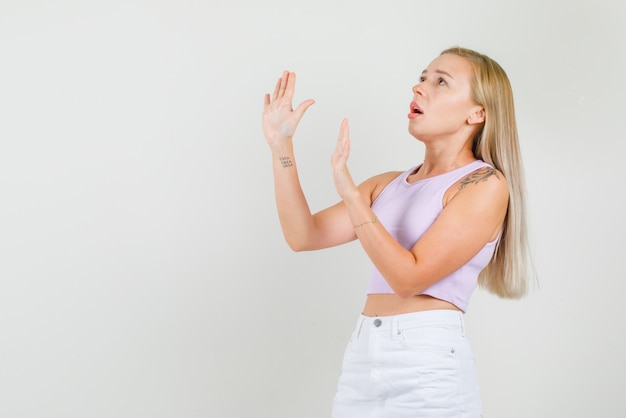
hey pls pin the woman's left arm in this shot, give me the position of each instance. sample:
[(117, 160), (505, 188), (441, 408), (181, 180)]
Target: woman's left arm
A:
[(466, 224)]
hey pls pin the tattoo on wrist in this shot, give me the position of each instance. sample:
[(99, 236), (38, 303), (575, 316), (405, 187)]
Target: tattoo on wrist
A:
[(478, 176), (286, 162)]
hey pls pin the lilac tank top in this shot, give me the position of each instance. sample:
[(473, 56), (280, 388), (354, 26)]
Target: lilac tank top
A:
[(407, 210)]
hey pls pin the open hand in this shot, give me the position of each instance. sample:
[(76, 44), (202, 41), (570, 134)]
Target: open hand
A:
[(341, 175), (280, 120)]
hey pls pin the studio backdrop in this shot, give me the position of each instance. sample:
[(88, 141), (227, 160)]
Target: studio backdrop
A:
[(143, 272)]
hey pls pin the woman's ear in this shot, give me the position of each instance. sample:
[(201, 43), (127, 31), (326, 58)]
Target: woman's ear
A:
[(477, 117)]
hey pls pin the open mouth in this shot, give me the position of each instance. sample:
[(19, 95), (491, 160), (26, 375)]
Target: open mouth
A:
[(416, 109)]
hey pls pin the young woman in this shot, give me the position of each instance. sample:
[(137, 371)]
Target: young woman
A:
[(432, 232)]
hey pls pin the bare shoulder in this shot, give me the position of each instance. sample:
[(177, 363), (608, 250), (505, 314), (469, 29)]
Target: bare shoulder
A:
[(484, 183), (374, 185), (483, 175)]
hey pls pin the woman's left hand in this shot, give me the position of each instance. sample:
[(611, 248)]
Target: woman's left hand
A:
[(341, 175)]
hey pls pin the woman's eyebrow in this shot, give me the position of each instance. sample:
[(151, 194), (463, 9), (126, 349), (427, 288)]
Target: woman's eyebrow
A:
[(439, 72)]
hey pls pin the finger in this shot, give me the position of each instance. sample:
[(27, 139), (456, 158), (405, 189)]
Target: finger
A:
[(302, 107), (344, 130), (276, 89), (291, 85), (342, 150), (266, 100), (346, 148), (283, 84), (344, 135)]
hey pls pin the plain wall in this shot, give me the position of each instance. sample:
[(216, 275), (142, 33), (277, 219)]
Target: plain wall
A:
[(143, 272)]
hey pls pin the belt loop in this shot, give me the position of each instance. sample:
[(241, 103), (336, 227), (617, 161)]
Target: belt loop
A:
[(394, 328), (462, 323), (360, 326)]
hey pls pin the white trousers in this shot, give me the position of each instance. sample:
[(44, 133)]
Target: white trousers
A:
[(411, 365)]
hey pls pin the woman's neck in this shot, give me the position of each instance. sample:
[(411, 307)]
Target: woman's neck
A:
[(436, 163)]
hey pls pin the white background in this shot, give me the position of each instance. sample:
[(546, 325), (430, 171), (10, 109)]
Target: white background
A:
[(142, 268)]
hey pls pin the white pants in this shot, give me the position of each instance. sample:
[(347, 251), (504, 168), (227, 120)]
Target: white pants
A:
[(411, 365)]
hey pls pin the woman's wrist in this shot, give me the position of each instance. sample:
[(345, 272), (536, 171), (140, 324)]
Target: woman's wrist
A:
[(353, 197), (285, 148), (370, 221)]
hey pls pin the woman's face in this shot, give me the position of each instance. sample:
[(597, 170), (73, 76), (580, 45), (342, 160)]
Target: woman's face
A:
[(442, 105)]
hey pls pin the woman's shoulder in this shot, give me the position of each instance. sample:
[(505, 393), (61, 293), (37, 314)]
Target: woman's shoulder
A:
[(482, 174), (486, 183)]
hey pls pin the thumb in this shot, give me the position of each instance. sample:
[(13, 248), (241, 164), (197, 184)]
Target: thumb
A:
[(302, 107)]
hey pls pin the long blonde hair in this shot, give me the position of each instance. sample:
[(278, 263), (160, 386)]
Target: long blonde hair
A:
[(510, 269)]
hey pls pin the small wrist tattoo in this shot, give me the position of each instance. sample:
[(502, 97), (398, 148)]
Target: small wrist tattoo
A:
[(286, 162)]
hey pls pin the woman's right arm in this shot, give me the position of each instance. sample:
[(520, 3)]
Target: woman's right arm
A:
[(302, 230)]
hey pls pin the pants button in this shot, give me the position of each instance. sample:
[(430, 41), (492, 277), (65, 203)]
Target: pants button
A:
[(377, 322)]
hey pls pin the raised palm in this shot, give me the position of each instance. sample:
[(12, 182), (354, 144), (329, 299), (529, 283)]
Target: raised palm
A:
[(280, 120)]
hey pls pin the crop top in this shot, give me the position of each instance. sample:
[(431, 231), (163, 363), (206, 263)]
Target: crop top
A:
[(407, 210)]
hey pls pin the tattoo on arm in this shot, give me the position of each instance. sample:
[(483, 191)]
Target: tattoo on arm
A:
[(286, 162), (478, 176)]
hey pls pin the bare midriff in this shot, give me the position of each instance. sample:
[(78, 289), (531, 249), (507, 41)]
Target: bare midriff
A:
[(380, 304)]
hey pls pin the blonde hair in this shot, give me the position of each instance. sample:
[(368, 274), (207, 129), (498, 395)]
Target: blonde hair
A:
[(497, 143)]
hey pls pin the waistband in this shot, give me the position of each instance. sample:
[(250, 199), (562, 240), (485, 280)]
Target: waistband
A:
[(394, 323)]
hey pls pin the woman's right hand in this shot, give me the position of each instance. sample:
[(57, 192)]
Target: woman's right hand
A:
[(280, 120)]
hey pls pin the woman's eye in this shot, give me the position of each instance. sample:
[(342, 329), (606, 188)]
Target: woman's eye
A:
[(442, 82), (422, 79)]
